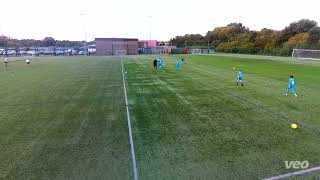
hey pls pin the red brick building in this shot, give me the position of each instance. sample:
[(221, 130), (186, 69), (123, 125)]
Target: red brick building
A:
[(114, 46)]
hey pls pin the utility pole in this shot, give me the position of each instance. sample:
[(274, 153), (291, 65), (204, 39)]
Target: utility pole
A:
[(210, 20), (150, 21), (85, 33), (1, 30), (208, 42)]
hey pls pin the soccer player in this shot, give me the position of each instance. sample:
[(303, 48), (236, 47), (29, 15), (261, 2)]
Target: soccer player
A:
[(28, 61), (291, 86), (177, 65), (183, 61), (155, 64), (239, 78), (6, 62), (160, 63)]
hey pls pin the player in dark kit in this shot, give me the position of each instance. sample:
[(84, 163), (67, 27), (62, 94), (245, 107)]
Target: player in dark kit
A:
[(155, 64)]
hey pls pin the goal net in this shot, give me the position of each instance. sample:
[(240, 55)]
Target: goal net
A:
[(121, 53), (306, 54), (196, 51)]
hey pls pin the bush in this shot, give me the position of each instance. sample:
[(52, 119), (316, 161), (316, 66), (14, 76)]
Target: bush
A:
[(258, 51)]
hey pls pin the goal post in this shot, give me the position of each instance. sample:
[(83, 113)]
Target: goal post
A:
[(196, 51), (121, 52), (306, 54)]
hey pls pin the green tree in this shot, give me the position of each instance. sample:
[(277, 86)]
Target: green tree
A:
[(297, 41), (314, 36), (266, 38), (48, 41), (301, 26)]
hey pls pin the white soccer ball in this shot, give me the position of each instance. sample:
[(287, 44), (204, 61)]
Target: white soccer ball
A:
[(233, 68), (126, 72)]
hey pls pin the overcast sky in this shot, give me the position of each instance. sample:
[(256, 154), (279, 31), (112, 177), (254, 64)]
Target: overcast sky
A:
[(61, 19)]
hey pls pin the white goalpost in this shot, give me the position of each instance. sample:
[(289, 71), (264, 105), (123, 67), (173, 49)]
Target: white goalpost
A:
[(121, 53), (196, 51), (306, 54)]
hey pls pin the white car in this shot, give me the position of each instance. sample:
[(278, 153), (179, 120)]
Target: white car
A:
[(32, 53), (81, 53), (11, 52)]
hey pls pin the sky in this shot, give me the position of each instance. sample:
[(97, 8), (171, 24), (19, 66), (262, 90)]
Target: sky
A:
[(163, 19)]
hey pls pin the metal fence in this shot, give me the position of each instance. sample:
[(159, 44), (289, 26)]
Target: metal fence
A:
[(173, 50)]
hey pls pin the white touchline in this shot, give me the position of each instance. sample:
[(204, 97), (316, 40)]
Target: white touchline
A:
[(134, 166), (297, 173)]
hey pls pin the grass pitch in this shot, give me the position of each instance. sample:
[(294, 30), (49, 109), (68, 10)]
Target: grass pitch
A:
[(64, 118), (197, 124)]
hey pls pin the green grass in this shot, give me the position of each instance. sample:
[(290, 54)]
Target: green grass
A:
[(65, 118), (197, 124)]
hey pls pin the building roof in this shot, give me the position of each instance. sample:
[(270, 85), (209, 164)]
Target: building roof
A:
[(116, 39)]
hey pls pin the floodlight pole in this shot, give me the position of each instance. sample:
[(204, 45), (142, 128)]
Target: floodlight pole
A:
[(85, 34), (1, 29), (208, 44), (150, 18)]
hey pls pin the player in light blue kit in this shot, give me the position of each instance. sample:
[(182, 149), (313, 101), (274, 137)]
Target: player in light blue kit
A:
[(177, 65), (239, 78), (291, 87), (160, 62)]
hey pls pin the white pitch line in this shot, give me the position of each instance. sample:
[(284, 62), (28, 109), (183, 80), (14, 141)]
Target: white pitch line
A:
[(133, 157), (297, 173)]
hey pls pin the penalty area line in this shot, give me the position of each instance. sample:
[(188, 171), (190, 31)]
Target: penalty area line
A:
[(133, 157), (297, 173)]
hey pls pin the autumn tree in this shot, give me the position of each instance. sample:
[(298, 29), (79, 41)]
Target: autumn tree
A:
[(314, 37)]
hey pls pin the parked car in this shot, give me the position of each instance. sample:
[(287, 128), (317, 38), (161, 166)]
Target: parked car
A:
[(32, 53), (41, 52), (23, 53), (4, 52), (81, 53), (11, 52), (48, 52), (59, 52), (74, 52)]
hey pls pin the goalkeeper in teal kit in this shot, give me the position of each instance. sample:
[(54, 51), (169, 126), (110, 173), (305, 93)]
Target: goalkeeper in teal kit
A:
[(291, 87), (239, 78)]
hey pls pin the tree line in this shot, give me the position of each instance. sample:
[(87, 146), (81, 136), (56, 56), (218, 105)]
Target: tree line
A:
[(11, 43), (237, 38)]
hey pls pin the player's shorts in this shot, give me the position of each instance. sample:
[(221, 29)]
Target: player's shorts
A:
[(291, 88), (240, 78), (28, 62), (5, 62)]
